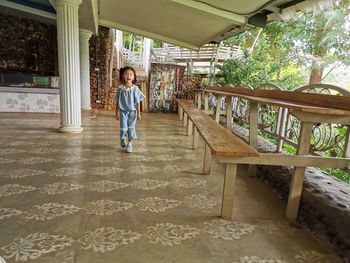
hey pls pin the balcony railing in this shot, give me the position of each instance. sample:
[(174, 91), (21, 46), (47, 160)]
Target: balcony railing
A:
[(132, 58), (205, 53)]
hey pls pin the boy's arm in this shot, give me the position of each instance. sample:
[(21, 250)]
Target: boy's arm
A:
[(138, 111), (117, 111)]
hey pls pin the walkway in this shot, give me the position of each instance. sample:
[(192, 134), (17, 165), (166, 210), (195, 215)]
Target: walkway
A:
[(79, 198)]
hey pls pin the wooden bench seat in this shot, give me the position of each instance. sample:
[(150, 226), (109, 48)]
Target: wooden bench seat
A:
[(322, 109), (219, 143)]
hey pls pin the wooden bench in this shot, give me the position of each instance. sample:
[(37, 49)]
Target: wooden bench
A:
[(232, 151), (219, 143), (310, 109)]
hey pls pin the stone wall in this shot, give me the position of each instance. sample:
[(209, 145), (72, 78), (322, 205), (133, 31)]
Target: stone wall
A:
[(20, 39), (102, 94)]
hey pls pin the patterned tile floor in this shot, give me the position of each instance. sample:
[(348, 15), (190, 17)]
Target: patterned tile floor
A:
[(80, 198)]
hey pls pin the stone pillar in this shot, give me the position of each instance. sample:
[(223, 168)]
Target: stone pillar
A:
[(69, 66), (84, 36)]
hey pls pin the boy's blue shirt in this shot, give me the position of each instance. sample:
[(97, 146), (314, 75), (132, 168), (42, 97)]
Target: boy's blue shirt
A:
[(128, 98)]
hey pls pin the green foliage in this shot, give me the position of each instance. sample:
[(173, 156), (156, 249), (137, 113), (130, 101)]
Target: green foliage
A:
[(132, 40), (157, 43), (289, 149), (342, 175)]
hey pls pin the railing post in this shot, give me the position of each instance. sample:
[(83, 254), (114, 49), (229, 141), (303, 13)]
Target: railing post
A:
[(185, 120), (206, 101), (347, 143), (207, 160), (253, 132), (199, 99), (181, 113), (218, 108), (229, 112), (281, 128)]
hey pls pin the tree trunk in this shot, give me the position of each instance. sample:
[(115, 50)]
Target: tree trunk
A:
[(316, 75)]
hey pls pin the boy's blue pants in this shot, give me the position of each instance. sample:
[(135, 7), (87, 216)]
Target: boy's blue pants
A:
[(127, 124)]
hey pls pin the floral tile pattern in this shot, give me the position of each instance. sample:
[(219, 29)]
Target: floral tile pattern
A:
[(21, 173), (106, 207), (60, 188), (8, 212), (227, 230), (66, 171), (105, 186), (169, 234), (106, 170), (79, 198), (201, 201), (254, 259), (148, 184), (188, 183), (34, 245), (315, 256), (156, 204), (50, 210), (11, 189), (107, 238)]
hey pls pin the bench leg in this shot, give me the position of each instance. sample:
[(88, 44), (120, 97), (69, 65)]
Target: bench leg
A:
[(207, 160), (296, 185), (184, 123), (189, 127), (195, 139), (181, 113), (228, 191)]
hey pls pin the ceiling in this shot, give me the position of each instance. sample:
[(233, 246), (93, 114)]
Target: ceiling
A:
[(186, 23)]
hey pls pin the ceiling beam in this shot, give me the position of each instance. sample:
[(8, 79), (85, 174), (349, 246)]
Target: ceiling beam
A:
[(53, 3), (212, 10), (28, 9), (110, 24)]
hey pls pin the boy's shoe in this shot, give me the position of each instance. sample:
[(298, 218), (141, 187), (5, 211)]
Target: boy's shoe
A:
[(129, 148), (123, 142)]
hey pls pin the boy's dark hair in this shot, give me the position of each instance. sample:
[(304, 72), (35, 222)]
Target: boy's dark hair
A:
[(121, 72)]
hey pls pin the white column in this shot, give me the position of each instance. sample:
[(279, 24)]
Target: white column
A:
[(147, 44), (84, 36), (69, 66)]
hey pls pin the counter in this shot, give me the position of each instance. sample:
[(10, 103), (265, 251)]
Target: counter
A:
[(25, 99)]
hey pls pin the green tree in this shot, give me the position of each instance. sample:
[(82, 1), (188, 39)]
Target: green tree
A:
[(322, 38)]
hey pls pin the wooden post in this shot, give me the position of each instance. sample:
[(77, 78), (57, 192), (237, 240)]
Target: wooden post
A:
[(207, 160), (229, 112), (185, 120), (253, 131), (347, 143), (189, 127), (206, 101), (181, 113), (218, 108), (199, 99), (195, 139), (281, 128), (228, 191), (296, 185)]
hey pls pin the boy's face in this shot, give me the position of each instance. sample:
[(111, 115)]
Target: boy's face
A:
[(128, 76)]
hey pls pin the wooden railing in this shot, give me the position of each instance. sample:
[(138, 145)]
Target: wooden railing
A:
[(328, 139)]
